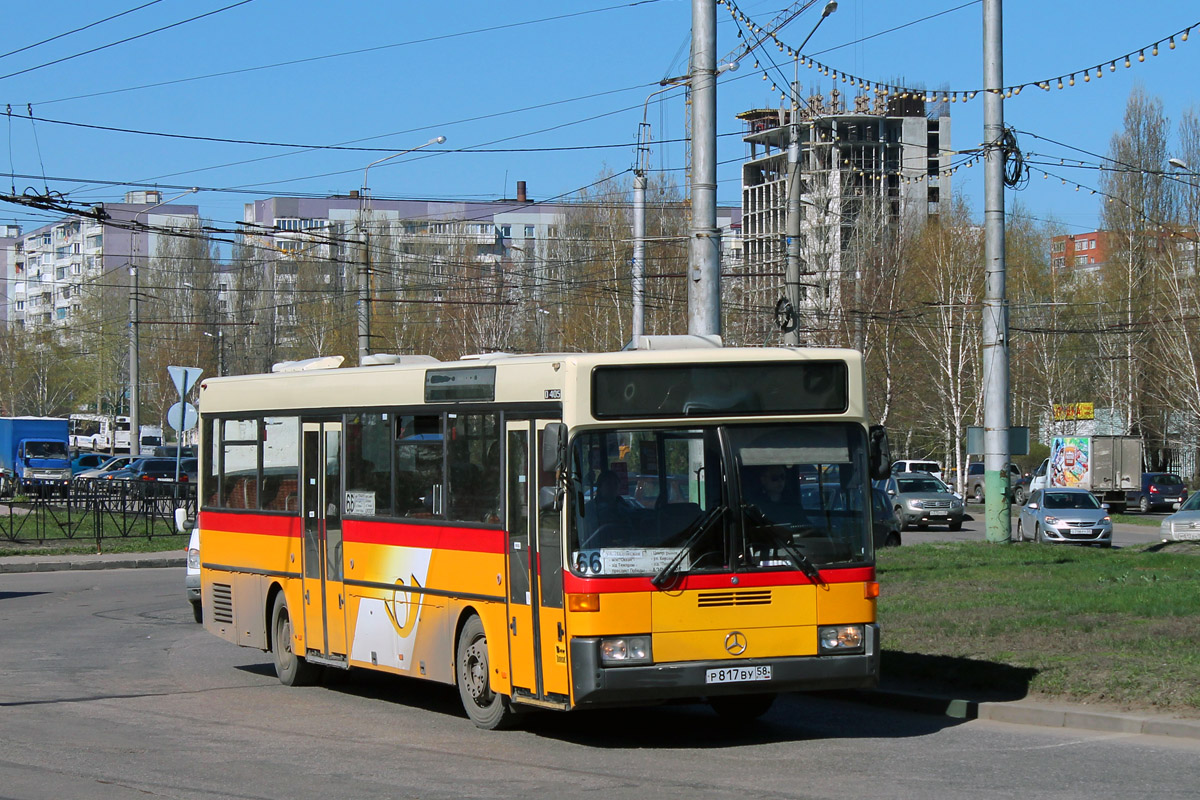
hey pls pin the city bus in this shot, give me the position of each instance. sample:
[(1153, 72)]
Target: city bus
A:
[(99, 432), (562, 531)]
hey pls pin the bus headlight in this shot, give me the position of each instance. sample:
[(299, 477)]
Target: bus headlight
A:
[(619, 650), (840, 638)]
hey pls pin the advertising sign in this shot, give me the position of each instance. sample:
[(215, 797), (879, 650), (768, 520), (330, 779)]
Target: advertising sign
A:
[(1070, 461), (1071, 411)]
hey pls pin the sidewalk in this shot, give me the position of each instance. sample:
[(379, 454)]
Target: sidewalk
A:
[(891, 693), (47, 563)]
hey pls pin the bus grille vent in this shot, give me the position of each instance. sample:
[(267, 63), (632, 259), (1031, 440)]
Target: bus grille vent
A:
[(222, 599), (716, 599)]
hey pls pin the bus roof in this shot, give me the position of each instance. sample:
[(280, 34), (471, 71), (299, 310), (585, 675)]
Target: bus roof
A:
[(531, 378)]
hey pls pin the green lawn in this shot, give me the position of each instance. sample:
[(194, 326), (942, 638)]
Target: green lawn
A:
[(1115, 626)]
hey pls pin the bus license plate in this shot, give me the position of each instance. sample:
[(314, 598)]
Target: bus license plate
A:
[(762, 672)]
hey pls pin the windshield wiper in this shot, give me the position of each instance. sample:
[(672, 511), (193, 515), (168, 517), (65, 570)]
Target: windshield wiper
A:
[(801, 561), (672, 569)]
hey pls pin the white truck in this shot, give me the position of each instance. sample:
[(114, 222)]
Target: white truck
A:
[(1107, 466)]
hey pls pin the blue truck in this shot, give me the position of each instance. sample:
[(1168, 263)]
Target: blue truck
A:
[(34, 458)]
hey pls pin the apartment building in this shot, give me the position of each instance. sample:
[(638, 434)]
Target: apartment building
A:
[(47, 268), (1080, 251)]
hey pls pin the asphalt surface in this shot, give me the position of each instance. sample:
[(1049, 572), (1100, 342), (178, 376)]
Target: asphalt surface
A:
[(890, 694)]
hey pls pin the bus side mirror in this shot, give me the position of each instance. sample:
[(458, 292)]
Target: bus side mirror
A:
[(554, 446), (880, 453)]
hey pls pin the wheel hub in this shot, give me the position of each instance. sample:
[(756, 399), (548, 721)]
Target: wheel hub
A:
[(475, 669)]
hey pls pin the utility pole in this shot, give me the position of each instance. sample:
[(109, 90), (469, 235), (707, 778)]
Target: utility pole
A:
[(135, 430), (639, 248), (995, 303), (792, 270), (704, 264), (364, 264)]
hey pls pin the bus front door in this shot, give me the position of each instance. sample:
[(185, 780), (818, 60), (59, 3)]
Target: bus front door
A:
[(324, 592), (536, 619)]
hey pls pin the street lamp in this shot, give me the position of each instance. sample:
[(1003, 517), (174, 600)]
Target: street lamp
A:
[(135, 430), (364, 269)]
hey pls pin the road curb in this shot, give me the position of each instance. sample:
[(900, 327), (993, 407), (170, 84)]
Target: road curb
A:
[(1028, 713), (13, 564)]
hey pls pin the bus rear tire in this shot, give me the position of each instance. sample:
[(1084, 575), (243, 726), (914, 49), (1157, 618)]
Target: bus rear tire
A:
[(291, 668), (486, 709), (741, 708)]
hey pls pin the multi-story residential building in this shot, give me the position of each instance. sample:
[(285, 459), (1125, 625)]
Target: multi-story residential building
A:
[(9, 234), (425, 238), (47, 268), (882, 165), (1080, 251)]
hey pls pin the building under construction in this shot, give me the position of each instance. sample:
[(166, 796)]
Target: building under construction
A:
[(865, 175)]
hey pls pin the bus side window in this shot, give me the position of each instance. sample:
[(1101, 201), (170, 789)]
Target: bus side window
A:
[(474, 485), (419, 479)]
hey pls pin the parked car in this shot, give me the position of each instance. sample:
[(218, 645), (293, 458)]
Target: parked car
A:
[(143, 474), (915, 465), (1184, 524), (170, 451), (85, 461), (975, 485), (113, 464), (191, 578), (1064, 516), (1020, 488), (884, 523), (1159, 490), (920, 499)]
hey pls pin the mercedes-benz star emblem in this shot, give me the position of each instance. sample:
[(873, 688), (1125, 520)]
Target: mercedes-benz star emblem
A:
[(735, 643)]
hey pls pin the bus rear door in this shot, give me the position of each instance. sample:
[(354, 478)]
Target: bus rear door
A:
[(324, 592)]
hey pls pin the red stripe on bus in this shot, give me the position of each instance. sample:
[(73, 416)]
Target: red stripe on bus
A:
[(265, 524), (745, 580), (444, 537)]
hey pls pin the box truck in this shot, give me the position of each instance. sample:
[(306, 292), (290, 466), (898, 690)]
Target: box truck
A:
[(1107, 466), (34, 457)]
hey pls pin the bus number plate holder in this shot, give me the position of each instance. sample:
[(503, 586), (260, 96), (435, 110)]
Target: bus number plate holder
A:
[(761, 672)]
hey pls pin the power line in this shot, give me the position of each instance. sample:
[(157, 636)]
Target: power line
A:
[(77, 30), (125, 40), (360, 51)]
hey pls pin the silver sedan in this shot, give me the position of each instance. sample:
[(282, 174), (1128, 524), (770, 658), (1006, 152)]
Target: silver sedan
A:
[(1184, 524), (1064, 516)]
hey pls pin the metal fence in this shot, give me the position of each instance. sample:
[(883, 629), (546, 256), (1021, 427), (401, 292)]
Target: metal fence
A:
[(96, 511)]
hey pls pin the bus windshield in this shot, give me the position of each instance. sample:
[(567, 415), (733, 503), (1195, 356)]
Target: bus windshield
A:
[(735, 497)]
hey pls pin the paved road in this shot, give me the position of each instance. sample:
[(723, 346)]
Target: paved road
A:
[(975, 530), (108, 690)]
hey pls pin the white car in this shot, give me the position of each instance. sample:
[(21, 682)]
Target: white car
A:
[(191, 579), (1184, 524), (112, 465)]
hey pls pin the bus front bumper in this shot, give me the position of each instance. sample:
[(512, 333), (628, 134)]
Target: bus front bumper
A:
[(597, 685)]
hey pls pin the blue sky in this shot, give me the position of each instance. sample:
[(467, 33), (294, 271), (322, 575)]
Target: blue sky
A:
[(540, 79)]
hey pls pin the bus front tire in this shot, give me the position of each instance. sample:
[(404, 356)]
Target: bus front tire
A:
[(741, 707), (291, 668), (486, 709)]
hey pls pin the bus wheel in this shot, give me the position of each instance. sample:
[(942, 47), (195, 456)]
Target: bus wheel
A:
[(486, 709), (741, 707), (292, 669)]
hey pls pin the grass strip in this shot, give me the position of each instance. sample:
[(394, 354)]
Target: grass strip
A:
[(1003, 621)]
